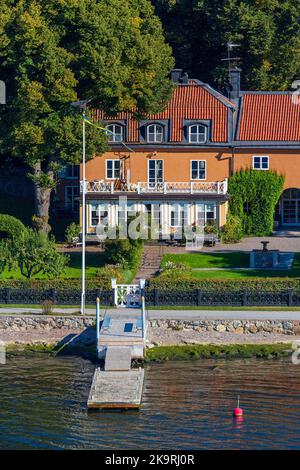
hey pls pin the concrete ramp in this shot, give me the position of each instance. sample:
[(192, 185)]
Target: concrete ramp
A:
[(118, 358)]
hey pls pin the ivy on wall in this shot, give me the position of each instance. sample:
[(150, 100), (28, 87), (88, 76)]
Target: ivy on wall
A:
[(253, 197)]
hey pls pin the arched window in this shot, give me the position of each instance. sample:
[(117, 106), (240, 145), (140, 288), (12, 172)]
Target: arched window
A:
[(197, 133), (291, 193), (290, 207), (155, 133), (116, 132)]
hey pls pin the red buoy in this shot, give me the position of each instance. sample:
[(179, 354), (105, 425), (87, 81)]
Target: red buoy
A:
[(238, 411)]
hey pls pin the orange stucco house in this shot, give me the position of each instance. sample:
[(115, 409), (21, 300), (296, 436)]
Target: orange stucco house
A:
[(183, 156)]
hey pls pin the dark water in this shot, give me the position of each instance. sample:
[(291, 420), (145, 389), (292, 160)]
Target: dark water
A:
[(187, 405)]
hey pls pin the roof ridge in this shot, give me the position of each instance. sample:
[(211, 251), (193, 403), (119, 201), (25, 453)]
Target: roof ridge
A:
[(253, 92)]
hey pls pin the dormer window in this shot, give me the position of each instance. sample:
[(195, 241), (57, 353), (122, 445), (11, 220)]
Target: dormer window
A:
[(197, 134), (115, 133), (155, 133)]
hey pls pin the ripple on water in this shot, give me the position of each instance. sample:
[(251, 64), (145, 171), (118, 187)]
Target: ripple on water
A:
[(186, 405)]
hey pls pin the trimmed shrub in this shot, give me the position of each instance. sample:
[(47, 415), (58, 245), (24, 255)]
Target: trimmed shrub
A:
[(253, 197), (104, 275), (233, 230), (126, 253), (10, 226), (181, 281), (72, 231), (102, 282)]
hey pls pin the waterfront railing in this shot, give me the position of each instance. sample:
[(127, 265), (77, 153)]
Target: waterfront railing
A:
[(155, 297)]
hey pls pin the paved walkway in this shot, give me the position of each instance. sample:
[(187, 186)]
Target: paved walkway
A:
[(150, 262), (182, 314), (282, 242)]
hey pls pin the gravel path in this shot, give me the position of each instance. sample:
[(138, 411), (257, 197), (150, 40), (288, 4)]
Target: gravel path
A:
[(38, 336), (162, 337), (156, 336)]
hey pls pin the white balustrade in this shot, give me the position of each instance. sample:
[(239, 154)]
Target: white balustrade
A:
[(185, 187)]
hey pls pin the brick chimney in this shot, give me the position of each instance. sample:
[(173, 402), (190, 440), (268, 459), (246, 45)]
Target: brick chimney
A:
[(234, 83)]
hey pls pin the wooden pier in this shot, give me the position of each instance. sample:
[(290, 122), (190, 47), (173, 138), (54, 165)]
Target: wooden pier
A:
[(121, 338)]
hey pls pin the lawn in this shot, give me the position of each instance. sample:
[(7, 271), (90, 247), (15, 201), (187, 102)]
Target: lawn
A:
[(94, 261), (228, 261), (244, 274), (210, 260)]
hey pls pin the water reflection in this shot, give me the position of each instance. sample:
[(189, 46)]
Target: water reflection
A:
[(186, 405)]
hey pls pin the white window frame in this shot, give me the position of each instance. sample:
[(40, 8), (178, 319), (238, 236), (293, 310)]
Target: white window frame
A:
[(198, 141), (260, 162), (72, 206), (162, 170), (179, 217), (198, 169), (113, 169), (100, 208), (155, 141), (113, 137), (205, 211)]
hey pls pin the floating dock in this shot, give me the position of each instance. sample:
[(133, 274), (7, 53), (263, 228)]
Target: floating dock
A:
[(121, 339), (116, 390)]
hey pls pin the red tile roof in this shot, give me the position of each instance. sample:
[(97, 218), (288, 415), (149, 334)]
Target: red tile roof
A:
[(269, 117), (192, 101)]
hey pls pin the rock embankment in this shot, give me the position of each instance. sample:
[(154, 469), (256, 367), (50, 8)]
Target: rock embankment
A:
[(167, 332), (51, 329)]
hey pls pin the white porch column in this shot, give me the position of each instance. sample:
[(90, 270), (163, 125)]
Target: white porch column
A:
[(165, 213)]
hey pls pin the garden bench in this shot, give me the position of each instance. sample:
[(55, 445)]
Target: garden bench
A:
[(76, 242), (210, 239)]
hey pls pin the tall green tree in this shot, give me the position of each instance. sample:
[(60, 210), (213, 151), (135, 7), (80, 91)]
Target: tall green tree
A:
[(53, 52), (268, 32)]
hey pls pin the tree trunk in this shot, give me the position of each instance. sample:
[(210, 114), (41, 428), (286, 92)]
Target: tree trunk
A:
[(42, 197)]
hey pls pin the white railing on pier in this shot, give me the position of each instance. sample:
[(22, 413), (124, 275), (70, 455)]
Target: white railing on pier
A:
[(144, 319), (186, 187)]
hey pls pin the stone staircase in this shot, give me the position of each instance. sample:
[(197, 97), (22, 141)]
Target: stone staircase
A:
[(150, 262)]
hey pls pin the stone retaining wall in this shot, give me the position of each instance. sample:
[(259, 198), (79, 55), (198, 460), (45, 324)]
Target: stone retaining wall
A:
[(233, 326), (44, 322)]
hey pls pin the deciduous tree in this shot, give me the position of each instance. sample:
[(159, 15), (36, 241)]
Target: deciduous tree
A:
[(34, 253), (53, 52)]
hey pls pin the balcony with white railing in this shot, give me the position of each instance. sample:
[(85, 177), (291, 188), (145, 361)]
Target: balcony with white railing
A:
[(187, 187)]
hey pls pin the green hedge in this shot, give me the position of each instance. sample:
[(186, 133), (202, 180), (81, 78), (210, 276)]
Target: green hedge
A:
[(253, 197), (103, 283), (10, 225), (178, 282)]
